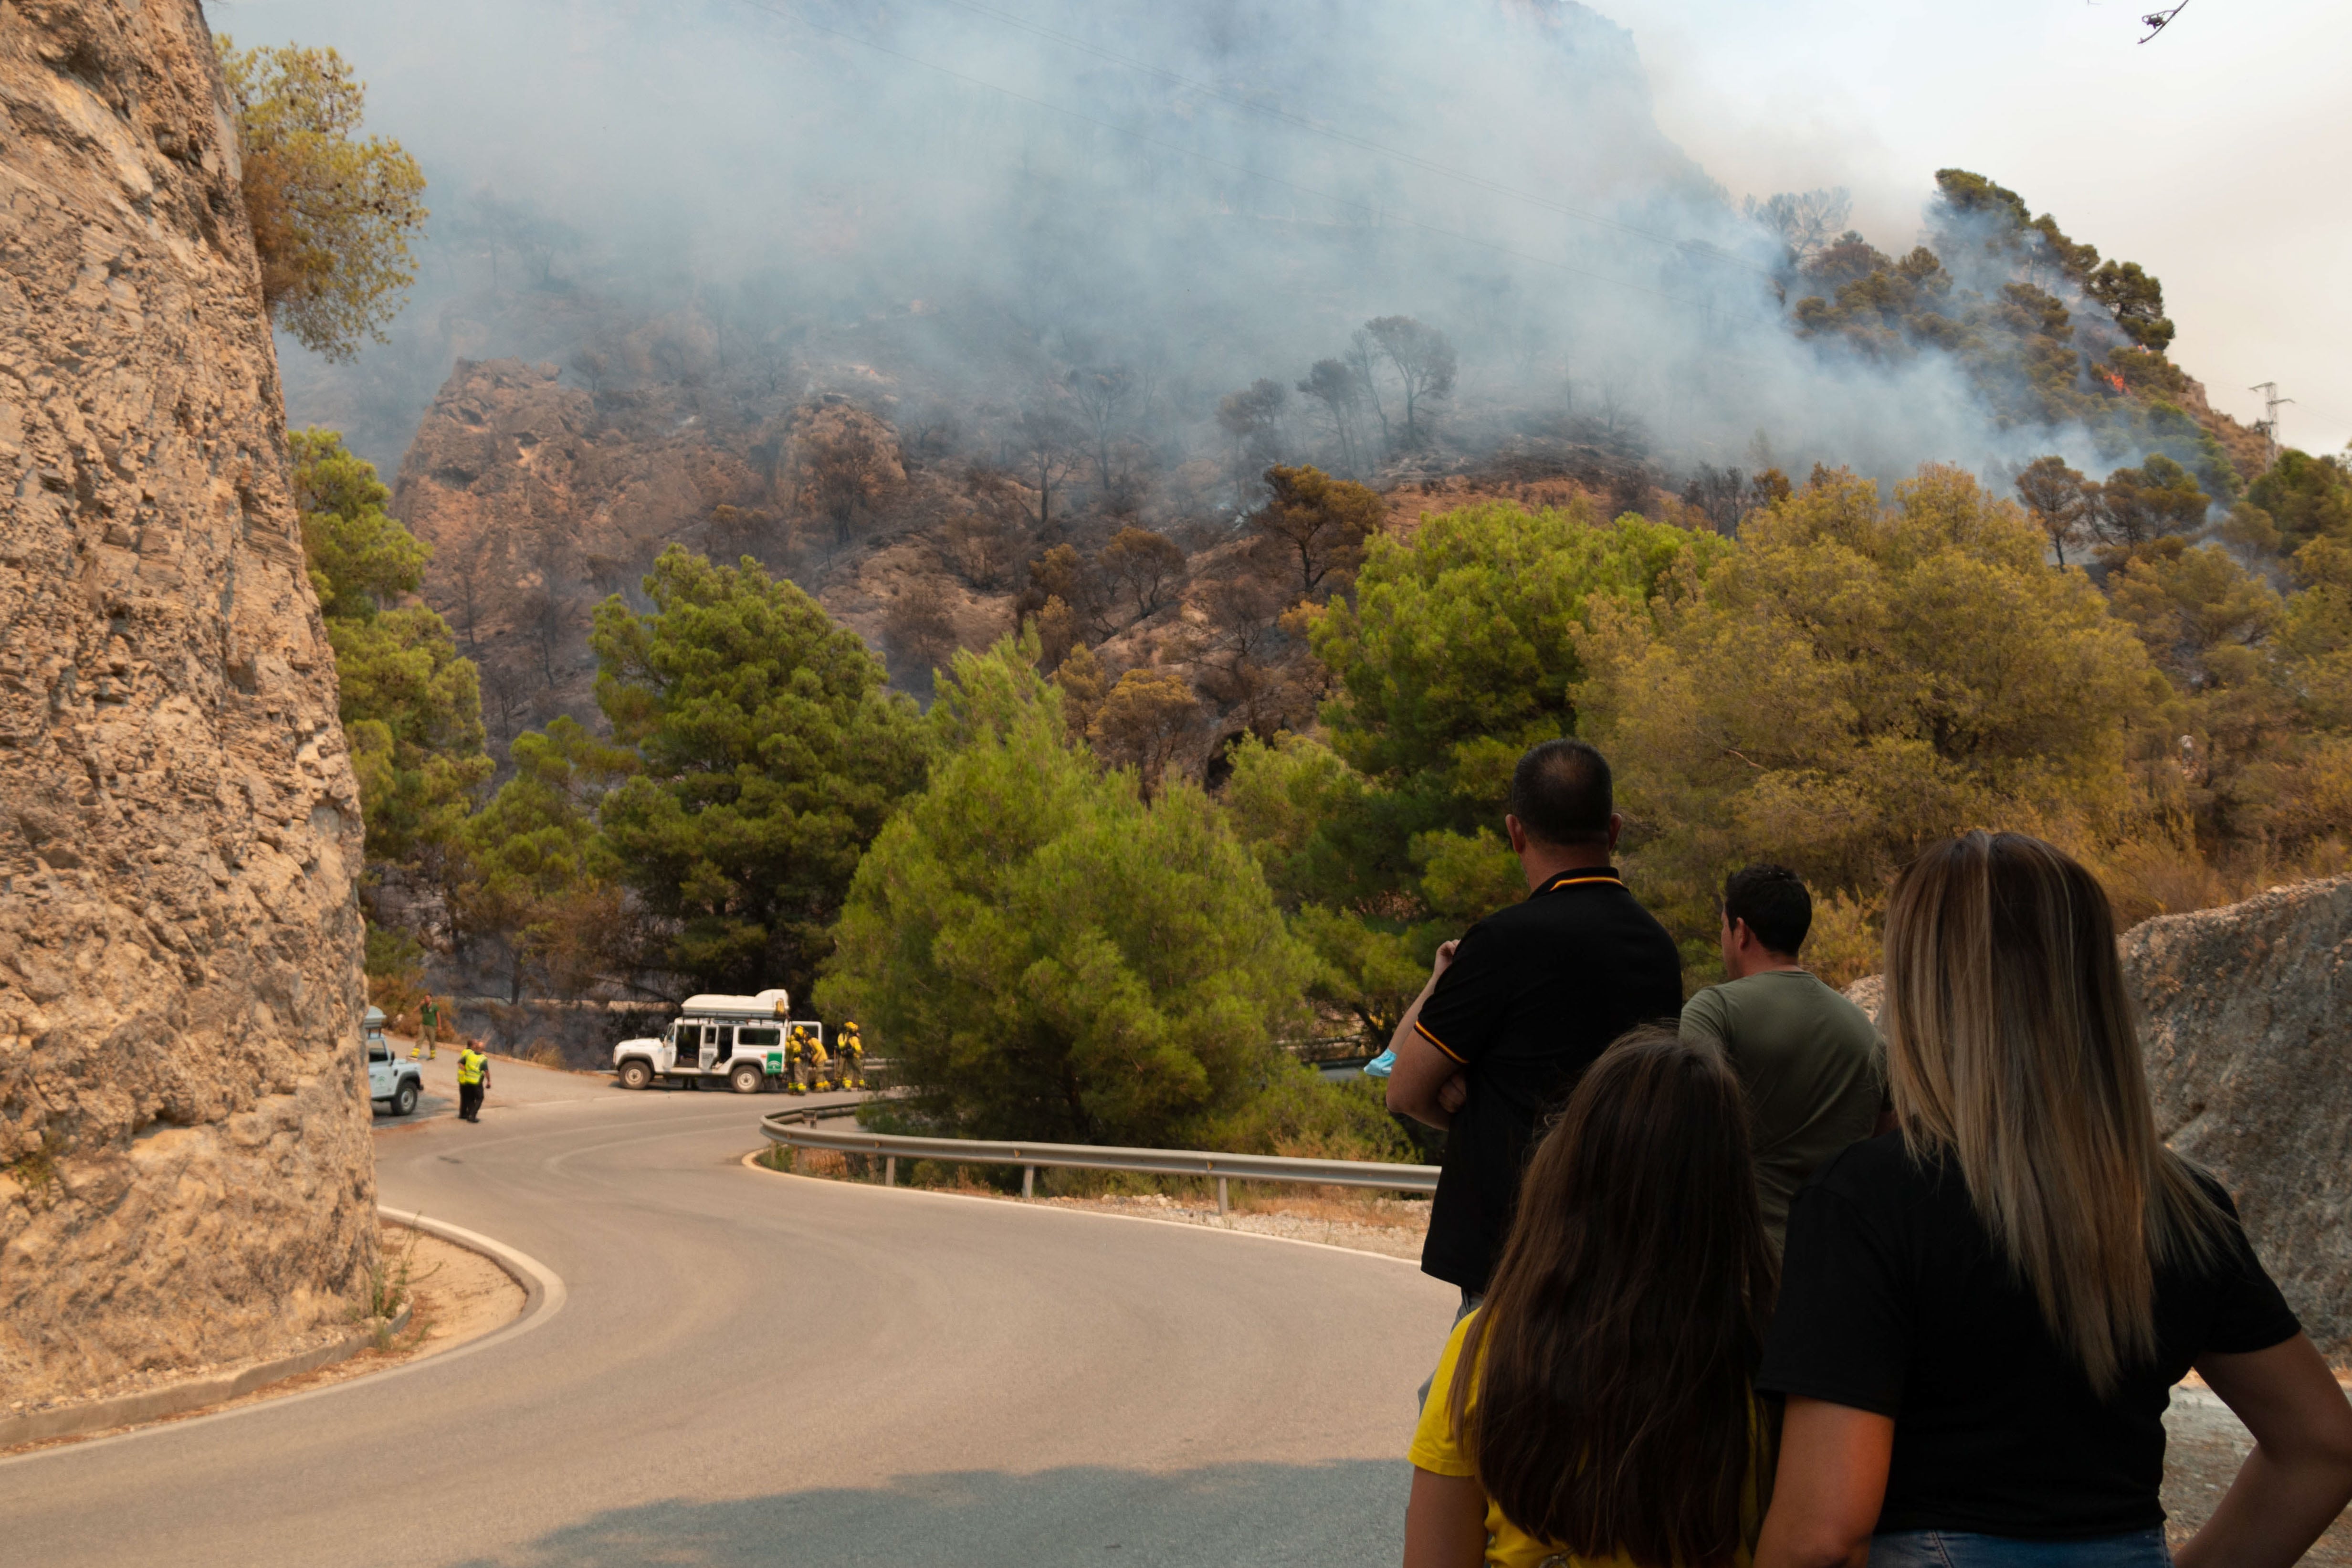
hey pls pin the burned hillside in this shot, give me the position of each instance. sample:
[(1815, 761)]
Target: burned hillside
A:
[(925, 531)]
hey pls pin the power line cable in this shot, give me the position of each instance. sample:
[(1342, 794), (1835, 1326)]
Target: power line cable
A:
[(1178, 148)]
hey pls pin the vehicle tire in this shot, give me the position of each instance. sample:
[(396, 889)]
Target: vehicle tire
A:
[(404, 1098), (747, 1079), (637, 1073)]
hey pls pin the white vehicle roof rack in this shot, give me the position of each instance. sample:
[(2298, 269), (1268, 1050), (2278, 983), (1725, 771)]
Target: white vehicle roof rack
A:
[(772, 1004)]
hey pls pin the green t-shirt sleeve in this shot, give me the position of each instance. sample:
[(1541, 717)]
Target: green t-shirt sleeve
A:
[(1706, 1019)]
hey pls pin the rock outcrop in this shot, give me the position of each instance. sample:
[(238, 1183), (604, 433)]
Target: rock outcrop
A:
[(540, 500), (2246, 1018), (185, 1172), (2247, 1021)]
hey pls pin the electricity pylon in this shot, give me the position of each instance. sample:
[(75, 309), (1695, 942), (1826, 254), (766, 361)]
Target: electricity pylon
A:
[(2272, 403)]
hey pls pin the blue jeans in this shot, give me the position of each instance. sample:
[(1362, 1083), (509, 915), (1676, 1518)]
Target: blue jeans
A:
[(1959, 1549)]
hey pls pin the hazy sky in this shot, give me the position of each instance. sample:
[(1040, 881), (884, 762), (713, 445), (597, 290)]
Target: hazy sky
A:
[(2215, 156)]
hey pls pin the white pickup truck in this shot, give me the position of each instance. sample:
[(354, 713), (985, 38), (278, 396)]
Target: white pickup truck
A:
[(393, 1084), (740, 1041)]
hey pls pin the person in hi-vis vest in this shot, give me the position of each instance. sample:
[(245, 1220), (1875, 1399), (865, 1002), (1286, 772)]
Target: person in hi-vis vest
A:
[(472, 1078)]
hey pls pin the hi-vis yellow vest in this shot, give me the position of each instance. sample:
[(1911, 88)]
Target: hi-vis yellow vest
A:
[(470, 1067)]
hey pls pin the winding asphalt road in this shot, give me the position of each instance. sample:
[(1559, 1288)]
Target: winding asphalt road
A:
[(755, 1368)]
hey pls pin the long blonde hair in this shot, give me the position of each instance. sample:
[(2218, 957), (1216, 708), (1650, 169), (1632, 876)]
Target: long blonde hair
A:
[(2011, 1050)]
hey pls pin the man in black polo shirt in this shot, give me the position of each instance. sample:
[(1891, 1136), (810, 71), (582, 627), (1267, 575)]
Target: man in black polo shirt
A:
[(1517, 1009)]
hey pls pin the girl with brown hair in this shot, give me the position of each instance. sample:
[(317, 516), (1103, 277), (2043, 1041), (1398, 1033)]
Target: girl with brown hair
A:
[(1608, 1417), (1982, 1312)]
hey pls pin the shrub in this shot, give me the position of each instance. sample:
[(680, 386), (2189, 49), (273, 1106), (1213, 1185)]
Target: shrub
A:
[(1856, 681)]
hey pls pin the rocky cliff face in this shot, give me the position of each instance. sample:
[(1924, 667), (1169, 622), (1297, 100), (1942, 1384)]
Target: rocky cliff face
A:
[(2246, 1016), (2247, 1019), (185, 1166), (540, 500)]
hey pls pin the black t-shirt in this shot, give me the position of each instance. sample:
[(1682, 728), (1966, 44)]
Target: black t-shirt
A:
[(1534, 993), (1893, 1301)]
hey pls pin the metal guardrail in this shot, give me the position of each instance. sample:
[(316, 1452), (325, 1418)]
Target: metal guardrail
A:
[(789, 1130), (1342, 1066), (809, 1115)]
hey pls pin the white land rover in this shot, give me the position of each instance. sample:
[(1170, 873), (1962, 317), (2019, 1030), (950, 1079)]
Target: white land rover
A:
[(741, 1041), (393, 1084)]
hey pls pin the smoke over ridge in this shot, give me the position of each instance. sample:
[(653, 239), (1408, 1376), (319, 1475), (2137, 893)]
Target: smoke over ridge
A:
[(963, 202)]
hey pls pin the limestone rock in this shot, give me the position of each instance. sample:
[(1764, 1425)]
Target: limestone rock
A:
[(2247, 1021), (1869, 994), (185, 1172), (2246, 1018)]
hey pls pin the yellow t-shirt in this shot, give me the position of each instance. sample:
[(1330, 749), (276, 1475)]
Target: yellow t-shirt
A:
[(1437, 1450)]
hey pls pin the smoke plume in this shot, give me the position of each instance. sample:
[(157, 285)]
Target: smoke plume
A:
[(962, 209)]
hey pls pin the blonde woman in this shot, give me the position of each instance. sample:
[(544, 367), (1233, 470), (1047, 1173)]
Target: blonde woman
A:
[(1981, 1313)]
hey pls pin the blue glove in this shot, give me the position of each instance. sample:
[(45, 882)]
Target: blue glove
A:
[(1381, 1066)]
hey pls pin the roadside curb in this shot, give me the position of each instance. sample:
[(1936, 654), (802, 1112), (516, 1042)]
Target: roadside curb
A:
[(751, 1162), (152, 1405), (542, 1287)]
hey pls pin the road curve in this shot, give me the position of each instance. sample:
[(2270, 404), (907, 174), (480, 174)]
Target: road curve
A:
[(751, 1368)]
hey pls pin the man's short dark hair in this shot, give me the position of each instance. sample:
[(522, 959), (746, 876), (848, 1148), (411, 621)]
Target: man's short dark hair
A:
[(1561, 795), (1773, 902)]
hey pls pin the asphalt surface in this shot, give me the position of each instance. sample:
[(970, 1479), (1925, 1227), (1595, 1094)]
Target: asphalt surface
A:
[(747, 1367), (514, 1085)]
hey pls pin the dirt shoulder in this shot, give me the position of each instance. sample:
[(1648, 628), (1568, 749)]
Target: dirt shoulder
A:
[(458, 1295), (1393, 1228), (2204, 1446)]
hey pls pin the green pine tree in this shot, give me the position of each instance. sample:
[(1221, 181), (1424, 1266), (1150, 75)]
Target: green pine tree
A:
[(1051, 956), (770, 755)]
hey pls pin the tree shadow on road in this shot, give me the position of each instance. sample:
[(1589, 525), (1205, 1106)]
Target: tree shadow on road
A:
[(1346, 1513)]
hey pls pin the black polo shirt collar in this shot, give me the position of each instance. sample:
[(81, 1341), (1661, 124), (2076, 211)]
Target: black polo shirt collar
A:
[(1578, 875)]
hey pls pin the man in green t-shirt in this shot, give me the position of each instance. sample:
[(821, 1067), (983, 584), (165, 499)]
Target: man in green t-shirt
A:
[(1810, 1061)]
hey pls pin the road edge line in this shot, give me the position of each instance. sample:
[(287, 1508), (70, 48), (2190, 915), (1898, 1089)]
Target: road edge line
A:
[(751, 1162)]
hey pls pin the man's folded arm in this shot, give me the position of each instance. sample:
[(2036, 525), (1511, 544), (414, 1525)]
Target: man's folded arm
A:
[(1423, 1068), (1447, 1027)]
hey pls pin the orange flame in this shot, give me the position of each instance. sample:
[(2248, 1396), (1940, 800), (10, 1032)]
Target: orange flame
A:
[(2113, 378)]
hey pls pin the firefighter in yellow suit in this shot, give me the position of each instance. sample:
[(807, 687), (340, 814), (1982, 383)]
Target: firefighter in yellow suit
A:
[(473, 1079), (851, 1052), (795, 1077), (808, 1057)]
